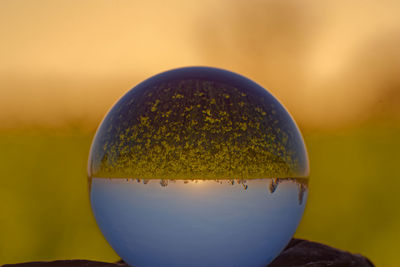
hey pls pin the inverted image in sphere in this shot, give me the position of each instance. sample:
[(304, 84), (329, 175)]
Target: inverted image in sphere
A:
[(198, 167)]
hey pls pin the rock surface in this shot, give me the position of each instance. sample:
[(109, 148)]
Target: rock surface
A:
[(298, 253), (301, 253)]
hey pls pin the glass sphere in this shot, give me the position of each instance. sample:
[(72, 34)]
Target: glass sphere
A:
[(201, 167)]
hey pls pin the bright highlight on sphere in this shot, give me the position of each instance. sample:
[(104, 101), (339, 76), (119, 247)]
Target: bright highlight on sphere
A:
[(198, 167)]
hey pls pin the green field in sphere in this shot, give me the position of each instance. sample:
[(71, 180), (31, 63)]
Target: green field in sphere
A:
[(198, 123)]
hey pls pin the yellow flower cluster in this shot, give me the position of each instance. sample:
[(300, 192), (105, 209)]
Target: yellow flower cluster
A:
[(197, 130)]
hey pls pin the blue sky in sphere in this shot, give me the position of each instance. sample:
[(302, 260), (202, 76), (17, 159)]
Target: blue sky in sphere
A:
[(196, 224)]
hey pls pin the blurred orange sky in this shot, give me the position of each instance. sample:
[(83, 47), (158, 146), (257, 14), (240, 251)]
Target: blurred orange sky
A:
[(331, 63)]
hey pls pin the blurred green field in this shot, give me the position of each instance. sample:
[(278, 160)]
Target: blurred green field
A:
[(45, 212)]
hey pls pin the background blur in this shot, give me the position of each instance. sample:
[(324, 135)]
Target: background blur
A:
[(334, 64)]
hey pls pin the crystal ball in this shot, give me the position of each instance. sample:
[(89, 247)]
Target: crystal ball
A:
[(198, 166)]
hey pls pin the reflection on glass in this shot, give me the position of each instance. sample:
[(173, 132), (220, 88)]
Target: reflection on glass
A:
[(198, 222)]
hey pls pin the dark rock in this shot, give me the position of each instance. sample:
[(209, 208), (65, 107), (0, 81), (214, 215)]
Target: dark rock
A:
[(298, 253), (301, 253), (67, 263)]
